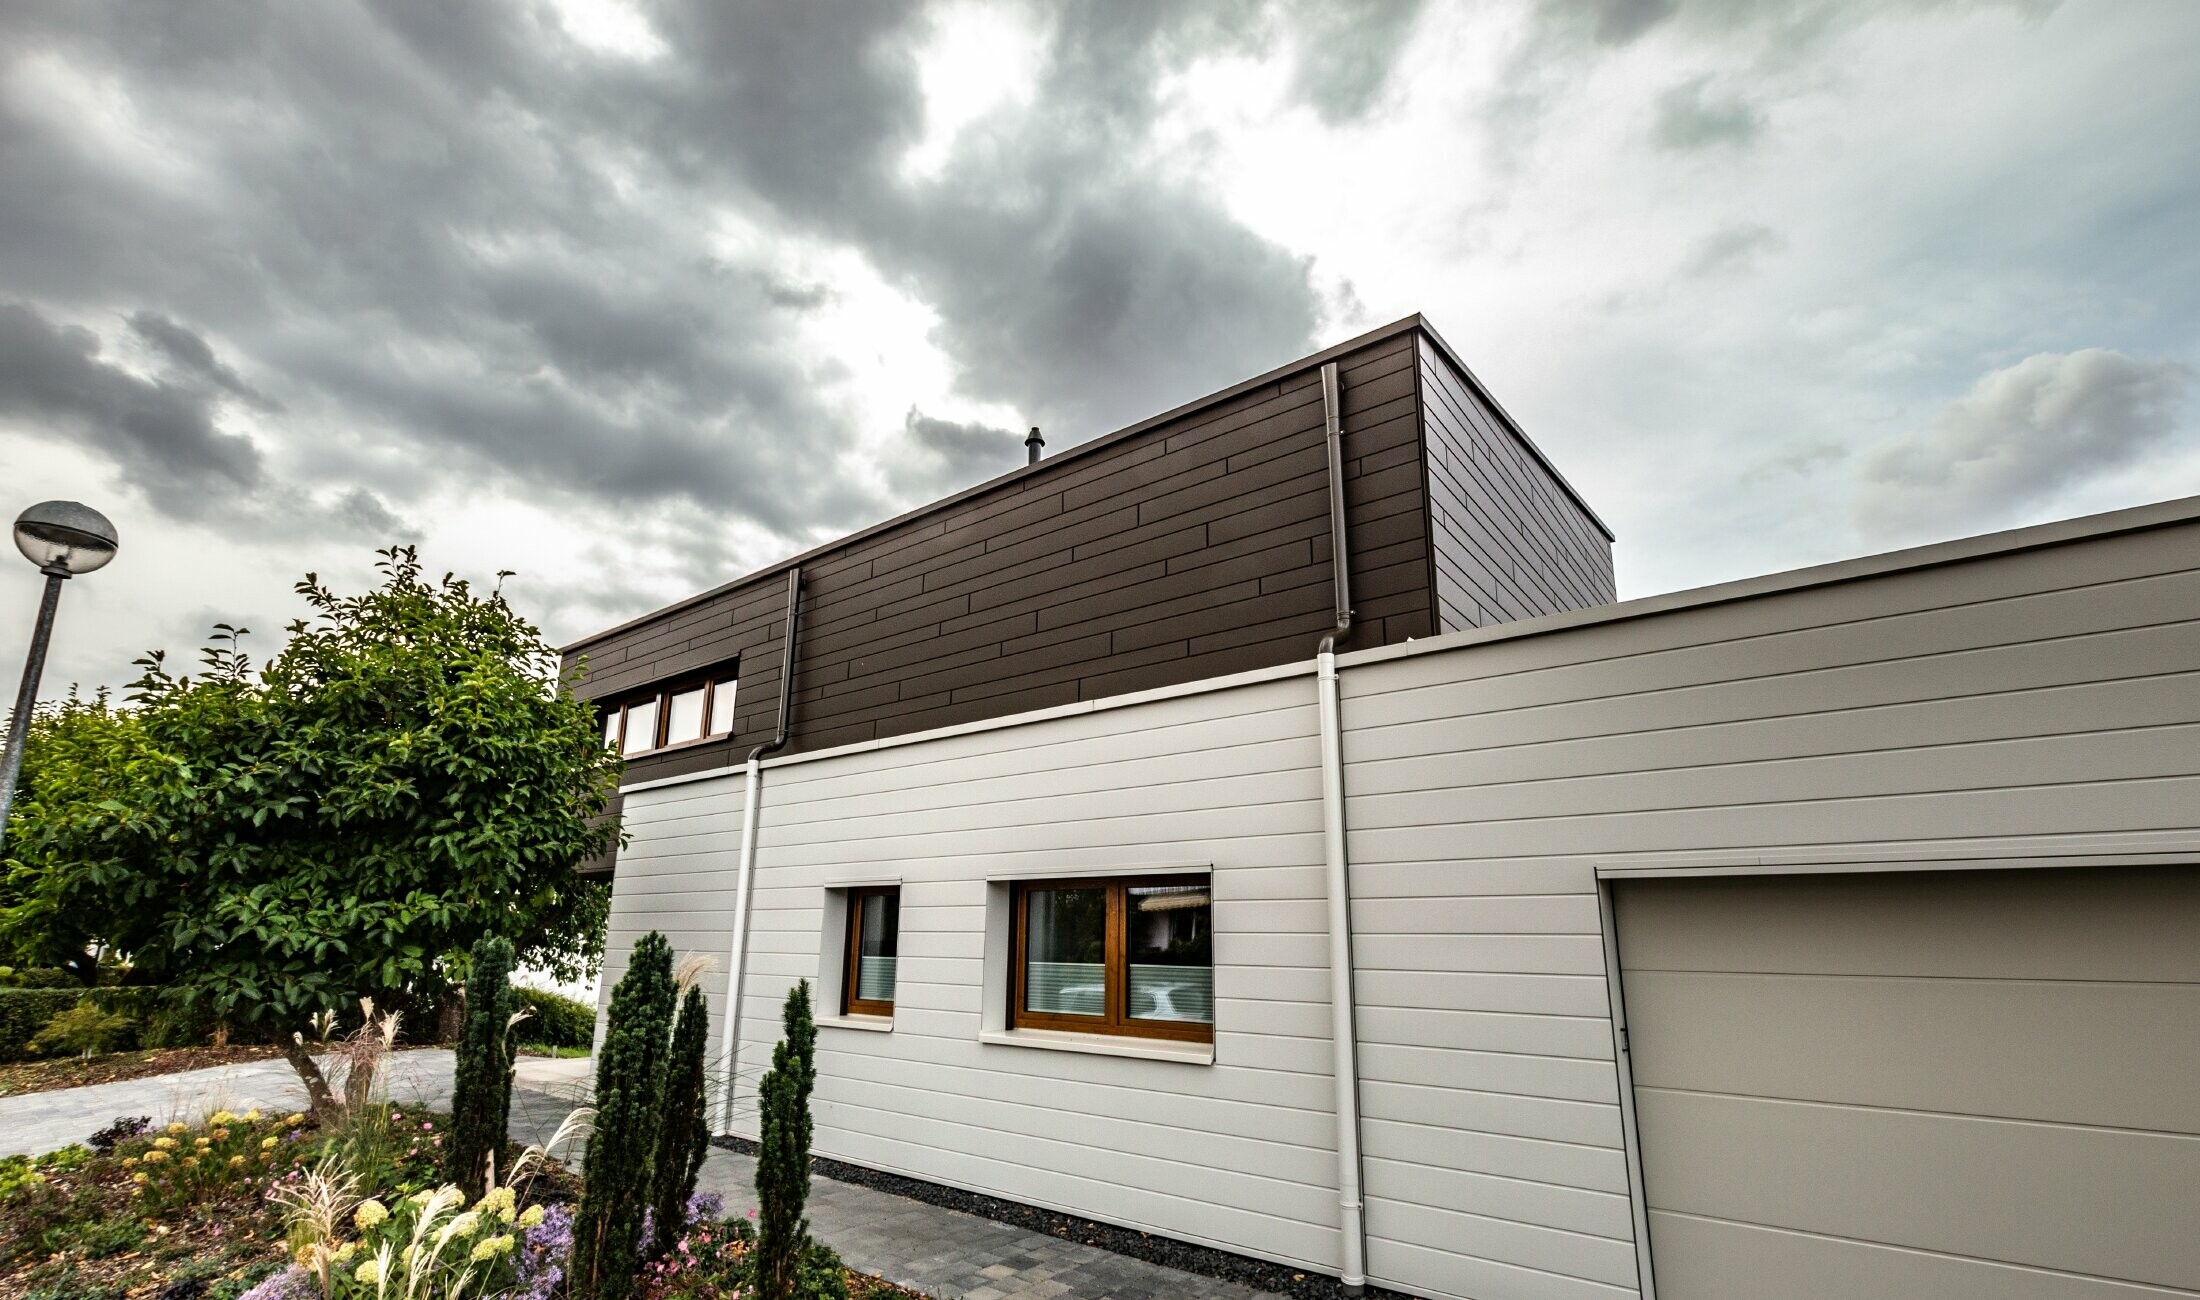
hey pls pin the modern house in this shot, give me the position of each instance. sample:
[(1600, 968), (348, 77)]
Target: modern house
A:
[(1829, 934)]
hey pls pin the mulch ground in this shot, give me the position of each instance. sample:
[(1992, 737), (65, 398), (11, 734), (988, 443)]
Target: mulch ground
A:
[(21, 1077)]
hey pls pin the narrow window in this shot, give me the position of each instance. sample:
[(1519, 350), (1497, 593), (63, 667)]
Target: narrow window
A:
[(874, 938), (684, 717), (611, 729), (641, 726), (721, 707), (1116, 957)]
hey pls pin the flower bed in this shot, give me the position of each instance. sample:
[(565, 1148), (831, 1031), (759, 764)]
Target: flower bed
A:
[(272, 1207)]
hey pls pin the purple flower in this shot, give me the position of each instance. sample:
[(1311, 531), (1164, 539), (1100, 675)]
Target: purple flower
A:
[(544, 1251), (705, 1207)]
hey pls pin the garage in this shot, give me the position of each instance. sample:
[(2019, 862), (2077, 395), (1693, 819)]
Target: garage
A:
[(1961, 1085)]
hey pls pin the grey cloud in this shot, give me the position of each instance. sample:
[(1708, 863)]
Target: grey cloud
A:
[(1731, 248), (190, 353), (944, 456), (1347, 53), (163, 439), (490, 255), (2023, 435), (1689, 119), (1784, 27), (160, 436)]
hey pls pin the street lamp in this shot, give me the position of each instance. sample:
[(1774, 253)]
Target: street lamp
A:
[(63, 538)]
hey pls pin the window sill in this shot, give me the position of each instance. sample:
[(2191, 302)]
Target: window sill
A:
[(869, 1024), (1148, 1049)]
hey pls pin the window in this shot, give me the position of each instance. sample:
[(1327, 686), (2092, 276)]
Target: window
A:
[(1116, 957), (685, 712), (874, 939)]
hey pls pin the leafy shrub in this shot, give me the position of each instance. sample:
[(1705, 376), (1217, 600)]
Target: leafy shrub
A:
[(122, 1130), (83, 1030), (25, 1011), (38, 977), (555, 1020)]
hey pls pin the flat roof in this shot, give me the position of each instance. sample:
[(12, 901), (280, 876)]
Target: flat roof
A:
[(1404, 325)]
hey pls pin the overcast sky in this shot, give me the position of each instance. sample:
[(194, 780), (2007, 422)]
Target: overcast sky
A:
[(633, 298)]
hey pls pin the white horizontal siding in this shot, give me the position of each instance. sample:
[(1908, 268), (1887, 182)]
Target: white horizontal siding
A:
[(2027, 700), (1240, 1153)]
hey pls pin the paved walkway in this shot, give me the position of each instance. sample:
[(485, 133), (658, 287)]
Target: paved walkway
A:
[(947, 1253), (941, 1252)]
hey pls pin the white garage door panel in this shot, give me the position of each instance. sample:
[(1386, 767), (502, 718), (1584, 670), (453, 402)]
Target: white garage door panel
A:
[(2105, 924), (2103, 1201), (2033, 1049), (1706, 1260), (1949, 1083)]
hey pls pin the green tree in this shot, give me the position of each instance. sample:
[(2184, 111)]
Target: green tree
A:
[(64, 766), (684, 1139), (789, 1265), (481, 1095), (407, 775), (630, 1089)]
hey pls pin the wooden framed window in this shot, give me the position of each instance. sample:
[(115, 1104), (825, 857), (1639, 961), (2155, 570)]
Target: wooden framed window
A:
[(874, 943), (688, 711), (1115, 956)]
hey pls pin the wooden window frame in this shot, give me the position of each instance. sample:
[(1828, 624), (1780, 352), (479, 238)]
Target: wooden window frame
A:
[(852, 954), (662, 695), (1117, 975)]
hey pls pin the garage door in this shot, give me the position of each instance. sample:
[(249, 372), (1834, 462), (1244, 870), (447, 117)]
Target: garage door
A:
[(1979, 1085)]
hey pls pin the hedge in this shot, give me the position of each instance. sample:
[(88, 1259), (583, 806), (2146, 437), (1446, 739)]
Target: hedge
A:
[(557, 1020), (23, 1012)]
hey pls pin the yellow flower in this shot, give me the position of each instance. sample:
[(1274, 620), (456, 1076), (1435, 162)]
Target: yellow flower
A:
[(268, 1143), (156, 1156), (294, 1121), (129, 1162), (221, 1117), (190, 1162), (368, 1214), (369, 1272), (222, 1134), (169, 1144), (346, 1251), (308, 1253), (498, 1202), (253, 1116), (423, 1196), (237, 1162), (465, 1224), (203, 1143), (491, 1247), (531, 1217), (139, 1176), (179, 1127)]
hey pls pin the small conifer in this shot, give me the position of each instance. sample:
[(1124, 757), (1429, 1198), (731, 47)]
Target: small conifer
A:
[(630, 1088), (481, 1097), (685, 1138)]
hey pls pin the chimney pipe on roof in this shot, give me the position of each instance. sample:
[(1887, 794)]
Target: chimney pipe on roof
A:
[(1033, 441)]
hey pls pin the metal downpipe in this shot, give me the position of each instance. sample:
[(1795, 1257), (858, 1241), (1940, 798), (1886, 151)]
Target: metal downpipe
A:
[(745, 867), (1343, 1036)]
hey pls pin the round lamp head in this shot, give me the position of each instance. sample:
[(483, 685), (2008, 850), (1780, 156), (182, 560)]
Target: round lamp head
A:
[(65, 535)]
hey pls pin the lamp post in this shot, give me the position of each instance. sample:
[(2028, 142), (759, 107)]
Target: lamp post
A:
[(64, 539)]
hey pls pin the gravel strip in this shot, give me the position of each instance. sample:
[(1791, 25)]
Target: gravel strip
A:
[(1206, 1261)]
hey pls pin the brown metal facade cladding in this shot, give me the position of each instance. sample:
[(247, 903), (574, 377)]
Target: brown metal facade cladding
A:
[(1190, 545)]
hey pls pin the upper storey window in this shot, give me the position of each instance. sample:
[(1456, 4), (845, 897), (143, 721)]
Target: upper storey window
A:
[(684, 712)]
